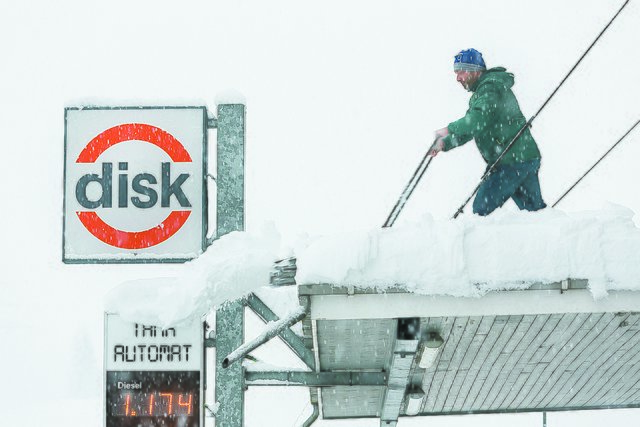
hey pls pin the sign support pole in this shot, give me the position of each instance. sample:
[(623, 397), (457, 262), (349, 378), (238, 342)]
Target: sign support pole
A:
[(229, 387)]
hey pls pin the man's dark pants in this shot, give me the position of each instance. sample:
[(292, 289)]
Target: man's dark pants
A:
[(518, 181)]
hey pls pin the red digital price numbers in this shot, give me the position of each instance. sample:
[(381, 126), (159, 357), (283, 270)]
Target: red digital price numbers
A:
[(131, 404)]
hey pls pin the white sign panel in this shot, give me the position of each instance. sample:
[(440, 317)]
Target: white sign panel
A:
[(137, 347), (153, 376), (135, 184)]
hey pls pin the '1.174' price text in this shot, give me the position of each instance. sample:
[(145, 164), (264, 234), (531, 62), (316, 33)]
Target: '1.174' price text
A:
[(131, 404)]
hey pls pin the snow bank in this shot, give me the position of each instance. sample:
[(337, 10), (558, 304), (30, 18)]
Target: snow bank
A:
[(466, 257), (233, 266), (472, 255)]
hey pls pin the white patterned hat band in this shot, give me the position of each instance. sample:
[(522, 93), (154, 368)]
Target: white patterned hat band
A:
[(461, 66)]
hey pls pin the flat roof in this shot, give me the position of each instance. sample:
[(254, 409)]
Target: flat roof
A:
[(546, 348)]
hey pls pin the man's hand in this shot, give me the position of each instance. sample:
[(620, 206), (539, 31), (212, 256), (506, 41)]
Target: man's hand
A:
[(437, 147), (441, 133), (438, 144)]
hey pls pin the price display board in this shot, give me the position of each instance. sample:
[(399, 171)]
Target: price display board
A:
[(153, 376)]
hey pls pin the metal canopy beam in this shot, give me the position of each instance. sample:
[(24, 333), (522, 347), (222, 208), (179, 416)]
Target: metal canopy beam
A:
[(293, 341), (520, 302), (314, 379), (531, 410), (330, 289), (404, 353)]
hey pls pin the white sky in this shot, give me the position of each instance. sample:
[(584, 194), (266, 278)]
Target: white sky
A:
[(342, 100)]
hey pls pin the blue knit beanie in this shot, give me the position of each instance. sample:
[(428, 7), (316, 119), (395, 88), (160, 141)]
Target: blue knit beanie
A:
[(469, 60)]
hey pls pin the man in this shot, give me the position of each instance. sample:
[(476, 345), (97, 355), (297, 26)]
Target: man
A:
[(492, 120)]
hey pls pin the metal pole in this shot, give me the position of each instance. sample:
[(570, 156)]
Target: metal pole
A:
[(528, 124), (229, 387), (544, 419), (408, 190), (313, 417), (230, 174)]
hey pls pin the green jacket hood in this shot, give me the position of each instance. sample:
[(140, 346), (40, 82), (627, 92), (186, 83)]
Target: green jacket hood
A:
[(496, 75)]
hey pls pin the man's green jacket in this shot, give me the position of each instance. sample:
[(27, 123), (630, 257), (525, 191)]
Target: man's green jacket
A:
[(492, 120)]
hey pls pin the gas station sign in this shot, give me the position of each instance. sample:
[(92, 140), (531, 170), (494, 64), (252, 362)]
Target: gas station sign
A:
[(153, 376), (135, 184)]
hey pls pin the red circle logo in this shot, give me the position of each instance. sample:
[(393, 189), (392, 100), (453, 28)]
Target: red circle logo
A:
[(133, 239)]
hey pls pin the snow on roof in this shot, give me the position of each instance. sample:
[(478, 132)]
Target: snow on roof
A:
[(472, 255), (466, 257)]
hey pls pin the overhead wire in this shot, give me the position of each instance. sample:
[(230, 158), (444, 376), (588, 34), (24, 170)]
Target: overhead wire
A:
[(596, 164)]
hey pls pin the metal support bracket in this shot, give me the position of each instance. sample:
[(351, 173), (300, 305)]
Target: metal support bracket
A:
[(293, 341), (241, 351)]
